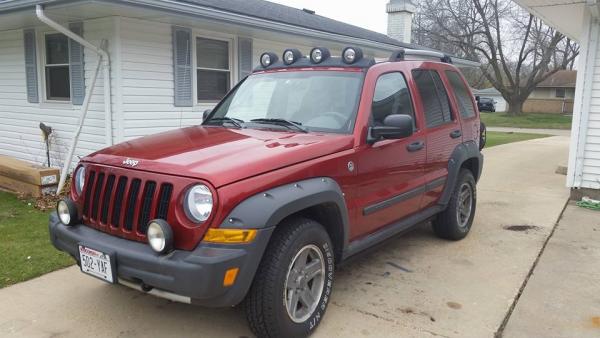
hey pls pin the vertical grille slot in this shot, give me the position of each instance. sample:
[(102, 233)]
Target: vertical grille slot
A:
[(130, 209), (119, 193), (110, 182), (88, 191), (163, 201), (144, 216), (95, 204)]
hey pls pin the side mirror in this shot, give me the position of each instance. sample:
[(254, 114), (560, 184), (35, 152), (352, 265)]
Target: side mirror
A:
[(205, 114), (395, 126)]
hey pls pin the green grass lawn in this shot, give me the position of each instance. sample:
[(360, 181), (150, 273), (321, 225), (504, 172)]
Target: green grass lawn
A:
[(538, 121), (495, 138), (25, 249)]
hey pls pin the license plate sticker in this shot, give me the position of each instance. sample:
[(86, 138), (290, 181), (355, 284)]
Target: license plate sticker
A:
[(96, 263)]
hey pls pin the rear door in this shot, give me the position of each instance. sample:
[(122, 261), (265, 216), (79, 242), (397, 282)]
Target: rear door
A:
[(442, 127), (390, 172)]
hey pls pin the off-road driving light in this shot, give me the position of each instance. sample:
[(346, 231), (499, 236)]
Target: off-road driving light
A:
[(291, 55), (79, 180), (67, 212), (351, 55), (199, 203), (160, 236), (319, 54), (267, 59), (229, 236)]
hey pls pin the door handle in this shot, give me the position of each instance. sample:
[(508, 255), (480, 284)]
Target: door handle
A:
[(456, 134), (415, 146)]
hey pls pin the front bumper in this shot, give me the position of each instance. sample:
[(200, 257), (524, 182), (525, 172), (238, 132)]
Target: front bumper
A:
[(196, 274)]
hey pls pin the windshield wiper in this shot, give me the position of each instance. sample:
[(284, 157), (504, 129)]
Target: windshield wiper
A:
[(236, 122), (282, 122)]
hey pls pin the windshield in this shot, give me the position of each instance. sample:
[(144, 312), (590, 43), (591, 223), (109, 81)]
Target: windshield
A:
[(300, 100), (485, 100)]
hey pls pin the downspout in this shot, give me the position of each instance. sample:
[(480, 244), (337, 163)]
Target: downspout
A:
[(104, 59)]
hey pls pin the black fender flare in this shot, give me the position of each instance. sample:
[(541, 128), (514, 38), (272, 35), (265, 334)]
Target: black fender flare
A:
[(268, 208), (463, 152)]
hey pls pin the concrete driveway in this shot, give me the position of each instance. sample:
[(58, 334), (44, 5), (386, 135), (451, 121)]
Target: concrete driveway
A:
[(413, 286)]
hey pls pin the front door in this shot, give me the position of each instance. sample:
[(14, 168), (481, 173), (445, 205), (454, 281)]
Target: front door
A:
[(390, 172)]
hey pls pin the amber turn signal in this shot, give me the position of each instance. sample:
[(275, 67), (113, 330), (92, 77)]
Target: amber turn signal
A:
[(229, 236), (230, 276)]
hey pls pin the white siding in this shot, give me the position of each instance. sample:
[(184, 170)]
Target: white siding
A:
[(20, 136)]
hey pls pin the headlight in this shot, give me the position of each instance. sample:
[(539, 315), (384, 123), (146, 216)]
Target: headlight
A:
[(199, 203), (160, 236), (67, 211), (79, 180)]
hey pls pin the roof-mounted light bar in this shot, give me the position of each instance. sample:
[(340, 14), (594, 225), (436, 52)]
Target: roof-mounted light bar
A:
[(267, 59), (319, 54), (352, 55), (291, 55), (293, 58)]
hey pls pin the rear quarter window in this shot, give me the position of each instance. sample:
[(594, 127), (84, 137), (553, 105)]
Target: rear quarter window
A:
[(462, 94), (434, 97)]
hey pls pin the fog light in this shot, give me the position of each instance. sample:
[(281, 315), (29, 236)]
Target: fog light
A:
[(67, 211), (318, 54), (291, 55), (267, 59), (351, 55), (229, 236), (160, 236)]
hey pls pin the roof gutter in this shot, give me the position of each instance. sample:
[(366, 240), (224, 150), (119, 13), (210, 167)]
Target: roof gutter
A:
[(104, 59)]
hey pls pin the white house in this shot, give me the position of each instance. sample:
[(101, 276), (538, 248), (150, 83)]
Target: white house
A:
[(168, 61), (580, 20)]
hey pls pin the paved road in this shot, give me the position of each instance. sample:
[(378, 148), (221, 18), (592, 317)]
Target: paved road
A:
[(414, 286), (555, 132)]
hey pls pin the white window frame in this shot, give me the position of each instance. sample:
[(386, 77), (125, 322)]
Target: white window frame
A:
[(232, 50), (42, 69)]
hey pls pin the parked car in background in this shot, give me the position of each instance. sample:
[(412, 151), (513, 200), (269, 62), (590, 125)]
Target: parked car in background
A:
[(305, 163), (486, 104)]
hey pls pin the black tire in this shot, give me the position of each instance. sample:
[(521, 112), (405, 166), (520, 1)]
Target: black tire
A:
[(482, 135), (265, 304), (449, 224)]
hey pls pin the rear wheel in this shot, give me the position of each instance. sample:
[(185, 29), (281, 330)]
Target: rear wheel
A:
[(455, 222), (293, 284)]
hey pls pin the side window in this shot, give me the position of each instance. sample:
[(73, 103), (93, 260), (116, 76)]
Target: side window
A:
[(463, 96), (391, 97), (433, 96)]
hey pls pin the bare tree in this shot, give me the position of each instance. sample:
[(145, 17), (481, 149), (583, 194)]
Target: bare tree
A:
[(517, 51)]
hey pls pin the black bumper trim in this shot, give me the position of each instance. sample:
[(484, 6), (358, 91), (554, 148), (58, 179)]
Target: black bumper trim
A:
[(197, 274)]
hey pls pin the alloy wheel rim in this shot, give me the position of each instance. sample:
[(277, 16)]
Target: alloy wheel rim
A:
[(465, 205), (304, 283)]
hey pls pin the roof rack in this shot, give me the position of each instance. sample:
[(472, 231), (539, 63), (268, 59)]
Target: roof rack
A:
[(401, 54)]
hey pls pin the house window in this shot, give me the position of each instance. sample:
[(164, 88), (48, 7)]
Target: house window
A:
[(560, 92), (56, 67), (213, 69)]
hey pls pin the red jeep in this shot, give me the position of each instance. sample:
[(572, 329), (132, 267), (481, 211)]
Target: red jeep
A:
[(308, 161)]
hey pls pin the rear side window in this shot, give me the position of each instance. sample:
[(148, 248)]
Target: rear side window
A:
[(391, 97), (433, 96), (463, 96)]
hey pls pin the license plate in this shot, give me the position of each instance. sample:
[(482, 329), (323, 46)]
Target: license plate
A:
[(96, 263)]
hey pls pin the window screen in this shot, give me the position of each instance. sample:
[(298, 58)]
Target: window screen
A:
[(56, 67), (433, 96), (463, 96), (213, 69), (391, 97)]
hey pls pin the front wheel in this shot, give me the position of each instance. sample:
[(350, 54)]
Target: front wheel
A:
[(293, 284), (455, 222)]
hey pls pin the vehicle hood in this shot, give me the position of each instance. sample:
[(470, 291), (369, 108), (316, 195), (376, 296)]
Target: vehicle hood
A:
[(219, 155)]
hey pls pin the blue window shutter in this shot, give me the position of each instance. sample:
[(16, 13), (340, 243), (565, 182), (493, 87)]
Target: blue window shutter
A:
[(30, 66), (76, 65), (244, 57), (182, 66)]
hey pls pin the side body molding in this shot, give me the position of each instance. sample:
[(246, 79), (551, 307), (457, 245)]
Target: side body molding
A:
[(270, 207), (461, 153)]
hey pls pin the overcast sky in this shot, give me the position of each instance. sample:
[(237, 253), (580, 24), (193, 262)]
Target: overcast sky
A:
[(367, 14)]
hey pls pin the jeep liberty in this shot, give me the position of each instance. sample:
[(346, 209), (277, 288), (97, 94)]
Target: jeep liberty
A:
[(305, 163)]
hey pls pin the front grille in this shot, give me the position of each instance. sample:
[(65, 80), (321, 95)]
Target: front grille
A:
[(124, 205)]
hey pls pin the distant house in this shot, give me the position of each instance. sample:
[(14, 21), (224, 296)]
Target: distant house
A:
[(169, 61), (553, 95), (493, 94)]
